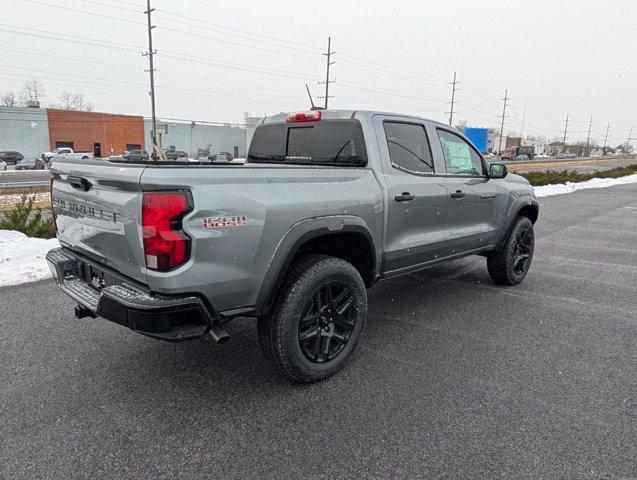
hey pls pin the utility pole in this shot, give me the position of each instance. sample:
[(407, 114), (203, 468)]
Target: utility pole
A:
[(504, 109), (630, 135), (606, 139), (453, 98), (523, 119), (150, 54), (327, 71), (564, 139), (588, 138)]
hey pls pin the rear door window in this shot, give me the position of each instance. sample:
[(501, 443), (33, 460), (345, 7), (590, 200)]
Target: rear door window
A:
[(460, 157), (326, 142), (408, 147)]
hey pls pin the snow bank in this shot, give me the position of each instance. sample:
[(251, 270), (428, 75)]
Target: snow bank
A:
[(568, 187), (22, 258)]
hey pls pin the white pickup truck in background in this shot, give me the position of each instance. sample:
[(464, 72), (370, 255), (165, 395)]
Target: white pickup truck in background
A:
[(60, 153)]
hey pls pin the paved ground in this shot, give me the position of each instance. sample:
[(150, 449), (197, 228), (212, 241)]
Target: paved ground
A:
[(455, 378)]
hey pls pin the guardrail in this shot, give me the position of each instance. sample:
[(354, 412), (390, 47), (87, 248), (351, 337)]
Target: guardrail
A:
[(33, 183)]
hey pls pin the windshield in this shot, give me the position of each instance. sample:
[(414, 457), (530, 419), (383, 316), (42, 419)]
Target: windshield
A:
[(327, 142)]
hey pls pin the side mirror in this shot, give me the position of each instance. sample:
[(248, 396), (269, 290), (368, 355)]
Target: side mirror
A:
[(498, 170)]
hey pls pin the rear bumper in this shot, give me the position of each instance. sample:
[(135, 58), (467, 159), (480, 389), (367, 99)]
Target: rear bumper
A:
[(172, 318)]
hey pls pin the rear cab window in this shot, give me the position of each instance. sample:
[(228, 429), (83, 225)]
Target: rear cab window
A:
[(325, 142), (460, 157)]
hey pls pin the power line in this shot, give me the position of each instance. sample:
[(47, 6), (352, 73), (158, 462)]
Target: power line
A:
[(173, 15)]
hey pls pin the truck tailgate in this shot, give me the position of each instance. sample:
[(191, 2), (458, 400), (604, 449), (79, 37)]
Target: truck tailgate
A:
[(98, 212)]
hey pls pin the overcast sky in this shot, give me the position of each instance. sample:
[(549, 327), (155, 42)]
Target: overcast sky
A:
[(218, 59)]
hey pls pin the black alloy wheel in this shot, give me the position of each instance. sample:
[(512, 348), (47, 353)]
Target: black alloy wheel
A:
[(328, 319), (522, 252)]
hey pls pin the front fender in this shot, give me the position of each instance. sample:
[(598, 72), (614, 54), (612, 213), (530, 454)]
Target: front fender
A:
[(512, 214)]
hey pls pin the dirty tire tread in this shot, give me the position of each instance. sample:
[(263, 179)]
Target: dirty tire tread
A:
[(500, 264), (274, 331)]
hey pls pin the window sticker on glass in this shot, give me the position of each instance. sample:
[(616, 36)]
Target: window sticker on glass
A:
[(459, 156)]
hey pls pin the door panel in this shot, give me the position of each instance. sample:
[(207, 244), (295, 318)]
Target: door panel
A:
[(416, 229), (471, 203), (471, 219), (416, 200)]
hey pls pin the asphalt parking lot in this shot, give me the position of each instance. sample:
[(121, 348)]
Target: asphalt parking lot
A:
[(455, 378)]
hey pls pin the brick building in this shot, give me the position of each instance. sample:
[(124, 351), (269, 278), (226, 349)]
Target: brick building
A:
[(104, 134)]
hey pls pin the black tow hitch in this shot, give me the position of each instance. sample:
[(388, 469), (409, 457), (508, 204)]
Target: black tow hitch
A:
[(83, 312)]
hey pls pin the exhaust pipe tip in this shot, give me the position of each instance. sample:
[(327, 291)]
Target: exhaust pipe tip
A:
[(219, 335)]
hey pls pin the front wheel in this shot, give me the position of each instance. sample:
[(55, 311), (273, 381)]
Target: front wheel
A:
[(510, 265), (318, 319)]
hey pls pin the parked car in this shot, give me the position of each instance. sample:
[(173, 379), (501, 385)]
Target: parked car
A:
[(221, 157), (66, 153), (3, 165), (135, 156), (522, 157), (175, 155), (11, 157), (176, 253), (31, 164)]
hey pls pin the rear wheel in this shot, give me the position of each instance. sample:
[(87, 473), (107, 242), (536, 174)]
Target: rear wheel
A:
[(510, 265), (317, 320)]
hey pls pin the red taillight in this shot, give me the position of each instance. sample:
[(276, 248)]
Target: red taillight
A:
[(53, 214), (313, 116), (166, 245)]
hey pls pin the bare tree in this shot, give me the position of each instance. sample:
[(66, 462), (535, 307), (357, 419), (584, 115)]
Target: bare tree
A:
[(79, 103), (74, 101), (66, 100), (9, 99), (32, 91)]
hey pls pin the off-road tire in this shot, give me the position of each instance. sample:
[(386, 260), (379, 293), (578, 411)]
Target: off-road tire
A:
[(504, 267), (279, 331)]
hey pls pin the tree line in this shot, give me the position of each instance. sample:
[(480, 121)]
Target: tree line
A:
[(32, 91)]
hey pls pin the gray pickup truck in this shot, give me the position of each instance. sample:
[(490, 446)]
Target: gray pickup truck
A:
[(328, 204)]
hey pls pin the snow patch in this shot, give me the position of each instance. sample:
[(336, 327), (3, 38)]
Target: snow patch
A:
[(22, 259), (568, 187)]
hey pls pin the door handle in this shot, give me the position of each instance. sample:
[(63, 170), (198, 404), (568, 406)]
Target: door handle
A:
[(405, 197), (457, 194)]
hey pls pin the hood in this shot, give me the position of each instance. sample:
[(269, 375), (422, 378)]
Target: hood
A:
[(514, 178)]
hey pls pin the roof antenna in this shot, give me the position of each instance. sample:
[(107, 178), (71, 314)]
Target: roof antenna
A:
[(310, 95), (314, 107)]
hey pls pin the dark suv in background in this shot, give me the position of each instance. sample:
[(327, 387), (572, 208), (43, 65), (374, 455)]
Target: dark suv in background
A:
[(11, 158)]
